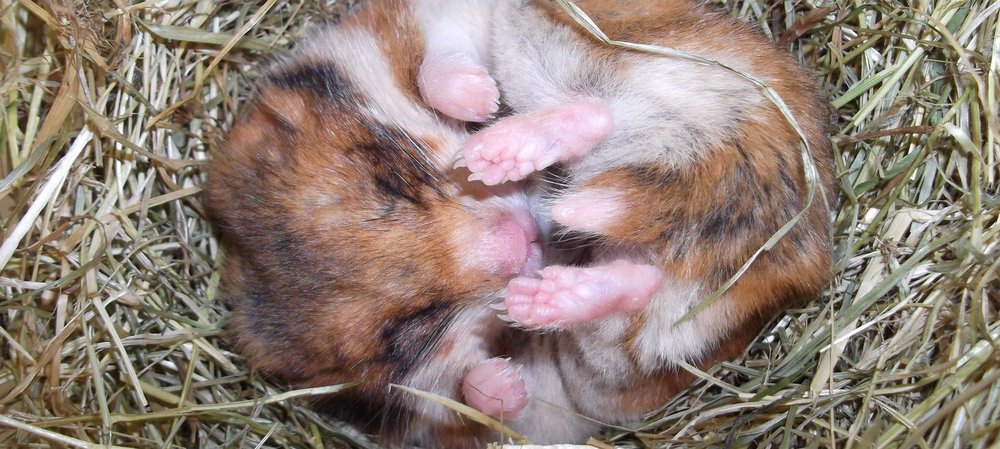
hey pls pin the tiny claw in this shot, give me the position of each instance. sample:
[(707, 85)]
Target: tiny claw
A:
[(476, 176), (498, 306), (460, 162), (505, 318)]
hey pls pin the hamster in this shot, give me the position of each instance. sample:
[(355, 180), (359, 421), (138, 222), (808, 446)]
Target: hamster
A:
[(676, 172), (353, 252)]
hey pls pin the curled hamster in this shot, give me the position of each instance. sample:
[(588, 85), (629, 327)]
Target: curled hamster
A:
[(352, 251), (676, 172), (355, 253)]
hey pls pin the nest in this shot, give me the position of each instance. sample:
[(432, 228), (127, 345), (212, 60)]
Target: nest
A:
[(111, 335)]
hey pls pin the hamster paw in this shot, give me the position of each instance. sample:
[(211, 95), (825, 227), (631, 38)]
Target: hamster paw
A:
[(573, 295), (495, 388), (458, 87), (594, 210), (519, 145)]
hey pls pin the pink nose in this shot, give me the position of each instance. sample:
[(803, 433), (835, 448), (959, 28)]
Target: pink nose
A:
[(511, 245)]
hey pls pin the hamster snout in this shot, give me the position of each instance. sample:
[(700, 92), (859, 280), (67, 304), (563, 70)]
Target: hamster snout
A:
[(507, 244)]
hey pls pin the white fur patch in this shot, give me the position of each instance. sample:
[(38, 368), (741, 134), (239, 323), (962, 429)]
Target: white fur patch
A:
[(357, 52), (662, 343), (455, 27)]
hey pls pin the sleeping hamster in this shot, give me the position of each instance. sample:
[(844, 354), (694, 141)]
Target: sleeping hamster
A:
[(355, 253)]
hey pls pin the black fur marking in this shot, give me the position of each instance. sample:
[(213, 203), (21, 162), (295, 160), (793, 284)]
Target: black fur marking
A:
[(783, 172), (677, 241), (651, 176), (723, 221), (394, 187), (283, 241), (314, 79), (398, 167), (715, 225), (408, 338), (744, 221), (721, 273), (255, 295)]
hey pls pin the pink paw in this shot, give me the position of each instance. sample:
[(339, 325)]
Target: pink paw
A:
[(458, 87), (592, 209), (495, 388), (572, 295), (521, 144)]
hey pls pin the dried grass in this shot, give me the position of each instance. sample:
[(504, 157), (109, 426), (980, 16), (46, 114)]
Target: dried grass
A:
[(110, 331)]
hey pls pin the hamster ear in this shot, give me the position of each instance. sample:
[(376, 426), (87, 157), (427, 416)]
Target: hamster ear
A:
[(288, 108), (276, 115)]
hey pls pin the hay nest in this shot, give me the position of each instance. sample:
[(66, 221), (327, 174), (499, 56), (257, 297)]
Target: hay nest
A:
[(111, 334)]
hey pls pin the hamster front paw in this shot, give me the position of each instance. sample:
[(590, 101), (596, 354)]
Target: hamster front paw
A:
[(521, 144), (572, 295), (458, 87), (495, 388)]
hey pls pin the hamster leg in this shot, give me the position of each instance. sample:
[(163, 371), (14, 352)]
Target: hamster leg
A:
[(453, 77), (521, 144), (572, 295), (458, 87), (495, 388)]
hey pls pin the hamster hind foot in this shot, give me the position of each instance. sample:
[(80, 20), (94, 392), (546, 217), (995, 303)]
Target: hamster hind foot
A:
[(572, 295), (520, 145), (495, 388)]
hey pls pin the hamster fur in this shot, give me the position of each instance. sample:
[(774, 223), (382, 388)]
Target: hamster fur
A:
[(352, 252), (355, 253), (670, 165)]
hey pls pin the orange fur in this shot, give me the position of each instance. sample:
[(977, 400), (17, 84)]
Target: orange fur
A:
[(339, 267)]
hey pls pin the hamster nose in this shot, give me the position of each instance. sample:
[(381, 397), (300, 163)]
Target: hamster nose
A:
[(507, 246), (511, 244)]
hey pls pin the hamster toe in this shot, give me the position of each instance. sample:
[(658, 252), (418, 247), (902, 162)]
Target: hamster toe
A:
[(495, 387), (458, 87), (523, 286), (493, 175)]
